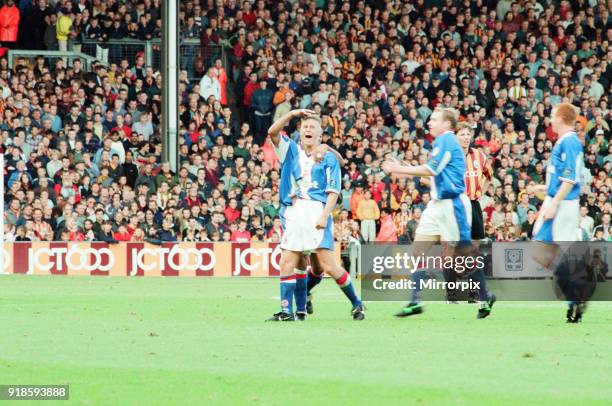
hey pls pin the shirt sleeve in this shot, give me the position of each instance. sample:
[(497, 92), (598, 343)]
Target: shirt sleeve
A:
[(332, 174), (285, 144), (571, 161), (440, 156), (487, 170)]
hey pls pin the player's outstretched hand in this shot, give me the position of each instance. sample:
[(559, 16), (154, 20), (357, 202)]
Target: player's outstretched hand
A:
[(303, 113), (321, 223), (391, 165), (538, 191)]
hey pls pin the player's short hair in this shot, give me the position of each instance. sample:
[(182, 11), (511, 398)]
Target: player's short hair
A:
[(449, 114), (464, 126), (315, 118), (567, 113)]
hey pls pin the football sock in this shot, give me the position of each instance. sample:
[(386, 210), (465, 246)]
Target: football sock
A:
[(344, 282), (417, 276), (313, 280), (287, 290), (479, 276), (300, 290)]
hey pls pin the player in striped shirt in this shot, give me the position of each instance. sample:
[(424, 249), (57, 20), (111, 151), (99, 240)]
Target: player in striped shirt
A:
[(478, 174)]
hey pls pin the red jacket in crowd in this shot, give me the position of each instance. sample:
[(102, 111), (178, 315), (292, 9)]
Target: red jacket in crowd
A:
[(76, 236), (9, 23), (241, 236), (231, 214), (249, 89), (122, 236)]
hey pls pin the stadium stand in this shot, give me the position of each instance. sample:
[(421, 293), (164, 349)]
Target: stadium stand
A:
[(82, 145)]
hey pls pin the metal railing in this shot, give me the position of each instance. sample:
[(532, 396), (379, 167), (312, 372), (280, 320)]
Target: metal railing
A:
[(114, 50), (191, 51), (51, 57)]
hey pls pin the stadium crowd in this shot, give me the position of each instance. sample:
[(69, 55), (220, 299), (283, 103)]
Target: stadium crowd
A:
[(83, 150)]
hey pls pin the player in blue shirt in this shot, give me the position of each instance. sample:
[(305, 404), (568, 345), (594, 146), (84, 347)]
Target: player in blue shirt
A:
[(447, 216), (559, 217), (310, 193), (290, 173)]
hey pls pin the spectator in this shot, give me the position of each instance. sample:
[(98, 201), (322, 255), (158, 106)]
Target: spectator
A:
[(524, 207), (373, 73), (144, 126), (210, 86), (598, 269), (413, 224), (586, 222), (64, 28), (20, 236), (9, 24), (50, 32), (603, 231), (122, 234), (388, 231), (262, 107), (221, 77), (241, 234), (368, 213)]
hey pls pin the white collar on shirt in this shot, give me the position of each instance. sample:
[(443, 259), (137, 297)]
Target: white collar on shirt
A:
[(567, 134)]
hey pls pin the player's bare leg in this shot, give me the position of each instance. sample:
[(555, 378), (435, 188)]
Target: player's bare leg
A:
[(544, 254), (315, 276), (327, 264)]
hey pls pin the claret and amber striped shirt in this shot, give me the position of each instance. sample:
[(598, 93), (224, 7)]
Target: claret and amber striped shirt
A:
[(477, 171)]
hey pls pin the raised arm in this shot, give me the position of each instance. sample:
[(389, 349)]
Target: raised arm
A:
[(393, 166), (278, 125)]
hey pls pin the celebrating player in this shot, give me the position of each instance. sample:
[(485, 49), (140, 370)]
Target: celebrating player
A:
[(446, 216), (304, 282), (559, 216), (477, 177), (308, 222)]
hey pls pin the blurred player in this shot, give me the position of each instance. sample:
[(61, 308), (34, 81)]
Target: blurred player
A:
[(559, 216), (477, 177), (448, 215), (308, 222)]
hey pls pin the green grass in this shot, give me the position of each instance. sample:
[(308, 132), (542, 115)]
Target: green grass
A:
[(203, 341)]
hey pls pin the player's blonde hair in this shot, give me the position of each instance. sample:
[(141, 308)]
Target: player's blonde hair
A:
[(464, 126), (313, 117), (449, 114), (567, 113)]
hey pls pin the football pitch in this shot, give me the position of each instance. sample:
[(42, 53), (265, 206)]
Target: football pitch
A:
[(204, 341)]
